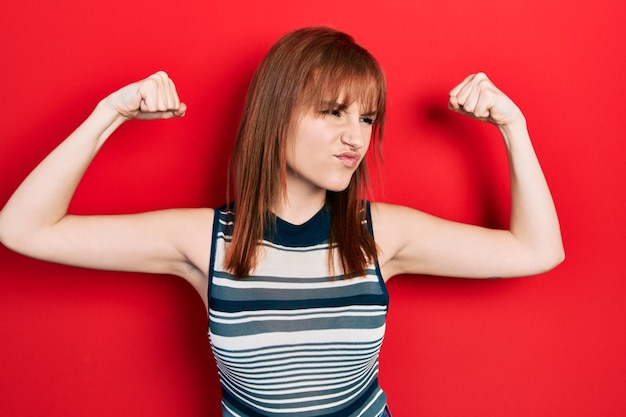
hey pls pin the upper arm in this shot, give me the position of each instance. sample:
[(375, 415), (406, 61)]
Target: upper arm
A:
[(413, 242), (173, 241)]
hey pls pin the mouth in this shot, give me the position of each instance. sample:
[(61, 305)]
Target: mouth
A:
[(349, 159)]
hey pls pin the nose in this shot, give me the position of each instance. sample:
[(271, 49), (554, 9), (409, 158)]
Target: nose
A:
[(355, 135)]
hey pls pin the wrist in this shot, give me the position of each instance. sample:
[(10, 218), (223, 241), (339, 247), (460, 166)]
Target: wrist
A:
[(103, 121), (107, 111), (515, 132), (515, 125)]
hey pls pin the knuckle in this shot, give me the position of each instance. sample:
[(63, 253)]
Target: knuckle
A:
[(150, 83), (484, 85)]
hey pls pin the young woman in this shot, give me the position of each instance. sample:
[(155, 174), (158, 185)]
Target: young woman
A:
[(293, 271)]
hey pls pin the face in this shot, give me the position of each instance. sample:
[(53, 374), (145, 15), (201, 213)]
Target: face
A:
[(325, 147)]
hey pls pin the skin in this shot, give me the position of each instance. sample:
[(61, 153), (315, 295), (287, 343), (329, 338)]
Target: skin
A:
[(324, 149), (35, 222)]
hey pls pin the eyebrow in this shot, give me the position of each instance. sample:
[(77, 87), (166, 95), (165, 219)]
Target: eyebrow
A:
[(334, 105)]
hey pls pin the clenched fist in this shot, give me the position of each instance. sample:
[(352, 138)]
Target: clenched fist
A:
[(152, 98), (477, 97)]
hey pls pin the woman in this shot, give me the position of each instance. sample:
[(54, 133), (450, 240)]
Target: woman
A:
[(291, 274)]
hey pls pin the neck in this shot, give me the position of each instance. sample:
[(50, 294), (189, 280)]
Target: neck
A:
[(297, 208)]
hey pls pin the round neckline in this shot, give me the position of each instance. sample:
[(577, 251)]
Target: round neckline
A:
[(312, 219), (311, 232)]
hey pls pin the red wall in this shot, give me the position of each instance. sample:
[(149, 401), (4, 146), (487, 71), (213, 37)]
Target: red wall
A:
[(76, 342)]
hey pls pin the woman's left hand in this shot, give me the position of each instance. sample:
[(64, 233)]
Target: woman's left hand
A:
[(477, 97)]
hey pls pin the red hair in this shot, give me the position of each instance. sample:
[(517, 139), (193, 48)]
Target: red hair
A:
[(304, 69)]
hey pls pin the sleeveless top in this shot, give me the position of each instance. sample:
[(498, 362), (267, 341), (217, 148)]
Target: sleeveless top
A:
[(289, 340)]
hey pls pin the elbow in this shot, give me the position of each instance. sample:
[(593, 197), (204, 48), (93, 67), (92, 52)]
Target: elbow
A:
[(557, 260), (23, 236), (9, 239), (560, 257), (550, 259), (3, 232), (20, 242), (14, 238), (558, 254)]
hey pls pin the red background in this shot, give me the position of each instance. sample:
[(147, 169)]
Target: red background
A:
[(76, 342)]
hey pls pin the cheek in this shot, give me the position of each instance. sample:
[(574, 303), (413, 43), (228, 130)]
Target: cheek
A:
[(312, 142), (301, 151)]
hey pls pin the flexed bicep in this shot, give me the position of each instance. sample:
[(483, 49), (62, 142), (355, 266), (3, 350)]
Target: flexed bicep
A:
[(35, 220), (415, 242)]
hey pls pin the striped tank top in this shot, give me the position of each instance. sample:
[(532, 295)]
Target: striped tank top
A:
[(289, 340)]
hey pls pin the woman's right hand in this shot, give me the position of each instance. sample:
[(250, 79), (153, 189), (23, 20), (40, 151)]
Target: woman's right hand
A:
[(149, 99)]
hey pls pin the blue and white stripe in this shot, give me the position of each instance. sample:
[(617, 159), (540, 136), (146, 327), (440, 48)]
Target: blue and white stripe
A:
[(289, 340)]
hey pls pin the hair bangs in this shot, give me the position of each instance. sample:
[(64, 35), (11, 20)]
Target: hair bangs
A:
[(345, 91), (345, 82)]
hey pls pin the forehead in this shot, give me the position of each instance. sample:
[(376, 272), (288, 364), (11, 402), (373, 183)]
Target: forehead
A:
[(362, 91)]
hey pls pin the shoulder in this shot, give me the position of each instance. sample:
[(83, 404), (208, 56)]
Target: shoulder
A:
[(193, 230), (386, 218), (385, 215), (395, 228), (386, 223)]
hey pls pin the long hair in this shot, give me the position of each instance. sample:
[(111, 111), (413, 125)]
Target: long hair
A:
[(304, 69)]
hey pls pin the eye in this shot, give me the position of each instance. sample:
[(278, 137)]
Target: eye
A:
[(332, 112), (367, 120)]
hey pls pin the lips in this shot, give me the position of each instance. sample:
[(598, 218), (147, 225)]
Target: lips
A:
[(349, 159)]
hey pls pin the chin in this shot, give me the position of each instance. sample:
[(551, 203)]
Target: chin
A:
[(338, 186)]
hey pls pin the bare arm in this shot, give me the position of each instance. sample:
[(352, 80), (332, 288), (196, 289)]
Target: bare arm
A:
[(35, 220), (414, 242)]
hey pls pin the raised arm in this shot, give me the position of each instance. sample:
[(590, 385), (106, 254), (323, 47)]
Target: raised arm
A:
[(35, 222), (415, 242)]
